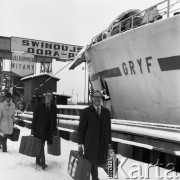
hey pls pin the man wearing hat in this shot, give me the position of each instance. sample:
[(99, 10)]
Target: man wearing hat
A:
[(7, 117)]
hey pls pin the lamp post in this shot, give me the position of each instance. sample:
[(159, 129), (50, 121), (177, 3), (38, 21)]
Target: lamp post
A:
[(72, 95), (77, 97), (85, 85)]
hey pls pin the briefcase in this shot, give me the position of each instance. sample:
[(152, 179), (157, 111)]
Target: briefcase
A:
[(79, 167), (15, 135), (30, 146), (55, 147)]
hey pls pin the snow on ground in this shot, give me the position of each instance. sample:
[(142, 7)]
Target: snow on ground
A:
[(16, 166)]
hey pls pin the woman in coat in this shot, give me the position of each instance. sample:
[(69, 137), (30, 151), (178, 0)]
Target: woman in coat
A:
[(7, 118), (94, 133)]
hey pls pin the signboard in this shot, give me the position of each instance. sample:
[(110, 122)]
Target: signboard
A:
[(22, 64), (43, 48)]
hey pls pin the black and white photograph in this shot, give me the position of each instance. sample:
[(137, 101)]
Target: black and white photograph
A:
[(89, 89)]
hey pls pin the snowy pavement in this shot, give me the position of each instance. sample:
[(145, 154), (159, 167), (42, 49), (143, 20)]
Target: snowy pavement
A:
[(16, 166)]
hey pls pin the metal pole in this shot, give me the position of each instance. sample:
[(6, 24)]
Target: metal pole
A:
[(88, 88), (1, 78), (168, 6), (72, 95), (77, 97), (85, 85)]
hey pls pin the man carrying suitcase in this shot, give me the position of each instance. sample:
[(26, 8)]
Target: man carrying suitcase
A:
[(94, 133), (44, 124)]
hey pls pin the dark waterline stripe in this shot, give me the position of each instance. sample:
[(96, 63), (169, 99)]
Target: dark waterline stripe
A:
[(169, 63), (109, 73)]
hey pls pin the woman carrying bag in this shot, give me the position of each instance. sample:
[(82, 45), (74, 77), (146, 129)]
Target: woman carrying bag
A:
[(7, 118)]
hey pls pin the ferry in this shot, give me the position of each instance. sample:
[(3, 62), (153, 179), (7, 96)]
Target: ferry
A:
[(135, 62)]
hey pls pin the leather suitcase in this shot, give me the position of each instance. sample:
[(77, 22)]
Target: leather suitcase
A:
[(15, 135), (30, 146), (55, 148), (79, 167)]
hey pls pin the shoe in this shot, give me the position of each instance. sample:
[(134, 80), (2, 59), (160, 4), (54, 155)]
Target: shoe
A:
[(44, 166)]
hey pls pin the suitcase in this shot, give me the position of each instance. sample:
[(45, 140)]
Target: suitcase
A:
[(20, 123), (28, 125), (2, 135), (30, 146), (15, 135), (111, 167), (55, 148), (79, 167)]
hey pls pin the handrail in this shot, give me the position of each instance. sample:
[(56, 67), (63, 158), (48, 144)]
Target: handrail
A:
[(136, 20), (113, 121)]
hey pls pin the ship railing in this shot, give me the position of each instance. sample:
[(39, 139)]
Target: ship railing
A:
[(170, 127), (71, 119), (135, 133), (164, 9)]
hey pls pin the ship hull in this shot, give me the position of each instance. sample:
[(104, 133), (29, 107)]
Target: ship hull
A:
[(142, 70)]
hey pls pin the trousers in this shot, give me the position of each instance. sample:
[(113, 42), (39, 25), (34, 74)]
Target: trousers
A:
[(94, 172), (41, 157), (4, 142)]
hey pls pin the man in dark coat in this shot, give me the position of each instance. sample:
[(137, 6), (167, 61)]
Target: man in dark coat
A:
[(44, 124), (94, 133)]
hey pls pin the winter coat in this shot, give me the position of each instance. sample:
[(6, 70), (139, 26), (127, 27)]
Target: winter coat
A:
[(44, 121), (95, 133), (7, 117)]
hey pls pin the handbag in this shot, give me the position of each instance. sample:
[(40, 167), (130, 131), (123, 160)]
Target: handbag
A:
[(79, 167), (15, 135), (55, 148)]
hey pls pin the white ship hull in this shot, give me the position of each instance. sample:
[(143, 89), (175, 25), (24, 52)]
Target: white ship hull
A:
[(142, 70)]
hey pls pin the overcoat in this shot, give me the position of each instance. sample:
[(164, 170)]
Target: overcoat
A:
[(7, 117), (95, 133), (44, 121)]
